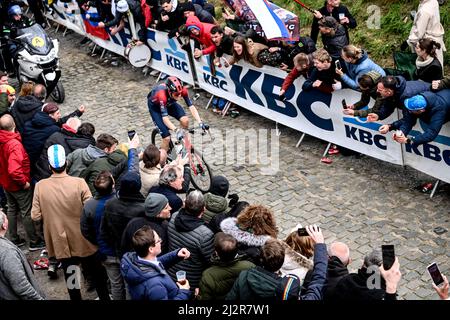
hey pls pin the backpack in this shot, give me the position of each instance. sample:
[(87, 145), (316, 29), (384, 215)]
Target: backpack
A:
[(146, 12), (288, 288)]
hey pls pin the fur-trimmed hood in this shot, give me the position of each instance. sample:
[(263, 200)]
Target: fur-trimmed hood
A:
[(229, 226)]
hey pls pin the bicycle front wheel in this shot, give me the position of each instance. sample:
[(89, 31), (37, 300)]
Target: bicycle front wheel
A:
[(201, 175)]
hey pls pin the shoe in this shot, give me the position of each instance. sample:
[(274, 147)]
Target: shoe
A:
[(333, 151), (39, 245), (40, 264), (154, 73), (164, 76), (52, 271), (19, 242), (326, 160)]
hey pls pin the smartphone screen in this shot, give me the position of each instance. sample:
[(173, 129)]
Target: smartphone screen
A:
[(435, 274), (344, 104), (302, 232), (388, 256), (338, 64), (131, 134)]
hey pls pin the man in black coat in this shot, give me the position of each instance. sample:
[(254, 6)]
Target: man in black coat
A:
[(70, 138), (371, 282), (157, 213), (170, 19), (334, 37), (25, 107), (119, 210), (189, 8), (334, 9)]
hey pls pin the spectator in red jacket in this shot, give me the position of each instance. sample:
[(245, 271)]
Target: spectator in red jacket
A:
[(202, 33), (16, 181), (303, 64)]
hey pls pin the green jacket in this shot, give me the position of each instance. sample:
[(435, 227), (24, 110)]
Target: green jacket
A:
[(218, 280), (4, 103), (214, 205), (258, 284), (101, 164), (444, 84)]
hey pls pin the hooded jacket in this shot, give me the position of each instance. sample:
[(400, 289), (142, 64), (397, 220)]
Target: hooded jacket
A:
[(295, 263), (17, 281), (218, 279), (356, 70), (404, 89), (118, 212), (336, 271), (248, 243), (202, 14), (80, 159), (353, 287), (214, 204), (191, 233), (14, 162), (69, 140), (147, 281), (259, 284), (99, 165), (36, 132), (436, 114), (90, 221), (204, 38), (334, 43), (24, 109)]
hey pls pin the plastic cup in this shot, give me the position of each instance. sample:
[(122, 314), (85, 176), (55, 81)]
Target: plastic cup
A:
[(181, 277)]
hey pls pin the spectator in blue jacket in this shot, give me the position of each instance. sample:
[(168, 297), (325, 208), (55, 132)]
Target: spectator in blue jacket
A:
[(145, 273), (357, 63), (431, 108)]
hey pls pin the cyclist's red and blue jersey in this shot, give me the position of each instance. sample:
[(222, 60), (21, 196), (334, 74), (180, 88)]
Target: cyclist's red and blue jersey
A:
[(161, 104)]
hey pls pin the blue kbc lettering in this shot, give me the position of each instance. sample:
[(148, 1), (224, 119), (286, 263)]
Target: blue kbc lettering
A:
[(214, 81), (366, 137), (430, 152), (177, 64)]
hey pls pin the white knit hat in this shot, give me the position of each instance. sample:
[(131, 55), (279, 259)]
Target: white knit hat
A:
[(56, 156)]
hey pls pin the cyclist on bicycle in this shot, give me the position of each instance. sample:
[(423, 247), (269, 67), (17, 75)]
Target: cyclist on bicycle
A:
[(162, 102)]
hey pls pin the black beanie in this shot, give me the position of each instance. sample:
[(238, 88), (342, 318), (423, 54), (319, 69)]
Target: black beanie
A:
[(188, 6), (219, 186)]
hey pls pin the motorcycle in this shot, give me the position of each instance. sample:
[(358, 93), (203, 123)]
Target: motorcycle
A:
[(37, 60)]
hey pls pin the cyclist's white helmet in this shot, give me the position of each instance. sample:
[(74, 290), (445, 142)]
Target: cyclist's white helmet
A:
[(122, 6)]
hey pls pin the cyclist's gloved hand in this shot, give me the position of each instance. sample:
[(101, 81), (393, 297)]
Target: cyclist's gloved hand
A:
[(180, 134), (204, 126)]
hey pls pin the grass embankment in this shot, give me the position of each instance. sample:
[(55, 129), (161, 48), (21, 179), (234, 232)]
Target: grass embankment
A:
[(395, 25)]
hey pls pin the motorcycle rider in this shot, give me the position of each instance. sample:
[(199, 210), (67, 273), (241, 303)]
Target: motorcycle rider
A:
[(16, 21)]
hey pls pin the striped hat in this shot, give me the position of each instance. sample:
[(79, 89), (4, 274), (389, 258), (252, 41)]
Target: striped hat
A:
[(56, 156)]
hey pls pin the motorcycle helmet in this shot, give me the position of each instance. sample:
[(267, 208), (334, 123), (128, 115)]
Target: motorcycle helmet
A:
[(174, 86), (14, 10), (122, 6)]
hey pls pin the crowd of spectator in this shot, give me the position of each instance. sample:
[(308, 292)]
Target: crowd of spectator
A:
[(130, 220)]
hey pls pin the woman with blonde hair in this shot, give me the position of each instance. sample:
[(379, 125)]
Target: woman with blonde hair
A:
[(252, 228), (299, 252), (357, 63)]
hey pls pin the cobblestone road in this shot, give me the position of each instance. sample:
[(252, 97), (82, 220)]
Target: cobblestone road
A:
[(361, 201)]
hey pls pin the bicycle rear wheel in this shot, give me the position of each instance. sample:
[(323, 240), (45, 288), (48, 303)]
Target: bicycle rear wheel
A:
[(201, 175)]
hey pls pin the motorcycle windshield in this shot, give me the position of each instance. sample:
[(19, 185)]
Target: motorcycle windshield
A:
[(36, 40)]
